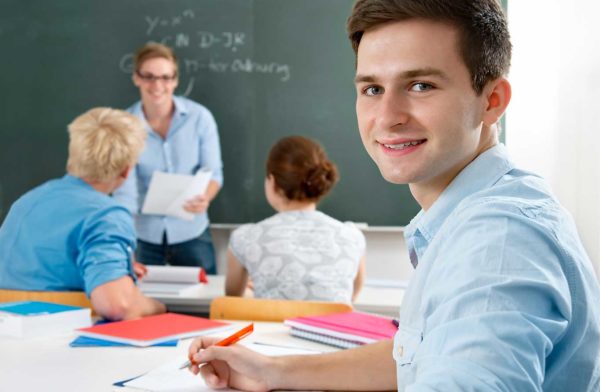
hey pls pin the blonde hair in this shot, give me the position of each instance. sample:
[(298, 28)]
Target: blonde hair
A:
[(103, 142)]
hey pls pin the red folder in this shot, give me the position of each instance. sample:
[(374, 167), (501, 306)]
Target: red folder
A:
[(152, 330)]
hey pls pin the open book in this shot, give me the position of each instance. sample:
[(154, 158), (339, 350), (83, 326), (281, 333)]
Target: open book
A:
[(168, 192), (181, 281)]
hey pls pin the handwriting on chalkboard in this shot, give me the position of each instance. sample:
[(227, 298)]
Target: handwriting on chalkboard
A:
[(203, 51)]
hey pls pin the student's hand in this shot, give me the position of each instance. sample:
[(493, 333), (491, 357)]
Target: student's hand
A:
[(139, 269), (197, 205), (234, 366)]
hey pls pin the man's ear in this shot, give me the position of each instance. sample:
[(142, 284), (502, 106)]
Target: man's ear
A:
[(135, 79), (498, 94), (125, 173)]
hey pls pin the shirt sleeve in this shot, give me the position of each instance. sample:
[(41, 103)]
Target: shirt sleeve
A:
[(105, 247), (238, 242), (210, 148), (127, 193), (496, 303)]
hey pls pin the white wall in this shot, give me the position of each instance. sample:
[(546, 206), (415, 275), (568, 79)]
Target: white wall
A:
[(553, 125)]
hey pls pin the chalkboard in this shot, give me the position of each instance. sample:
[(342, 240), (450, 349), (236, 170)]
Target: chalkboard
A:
[(265, 68)]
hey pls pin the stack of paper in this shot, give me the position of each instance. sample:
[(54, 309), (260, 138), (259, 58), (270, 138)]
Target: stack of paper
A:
[(32, 318), (345, 330), (181, 281), (168, 192), (153, 330)]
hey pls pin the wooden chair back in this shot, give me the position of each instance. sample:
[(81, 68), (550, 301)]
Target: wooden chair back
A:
[(260, 309), (73, 298)]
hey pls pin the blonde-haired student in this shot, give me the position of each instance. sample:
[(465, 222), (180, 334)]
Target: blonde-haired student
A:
[(68, 234)]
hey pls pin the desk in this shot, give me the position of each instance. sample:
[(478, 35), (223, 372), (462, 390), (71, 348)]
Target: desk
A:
[(381, 300), (49, 364)]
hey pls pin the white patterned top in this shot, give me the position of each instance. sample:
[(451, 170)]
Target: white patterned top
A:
[(301, 255)]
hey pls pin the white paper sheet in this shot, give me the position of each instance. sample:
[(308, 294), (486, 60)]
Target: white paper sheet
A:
[(169, 378), (168, 192)]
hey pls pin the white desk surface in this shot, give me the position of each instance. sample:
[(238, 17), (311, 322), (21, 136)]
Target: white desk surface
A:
[(49, 364), (380, 300)]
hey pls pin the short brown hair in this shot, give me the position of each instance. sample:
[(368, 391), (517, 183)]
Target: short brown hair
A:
[(103, 142), (484, 40), (154, 50), (301, 169)]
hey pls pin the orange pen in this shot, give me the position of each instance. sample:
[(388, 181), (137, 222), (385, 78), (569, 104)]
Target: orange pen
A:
[(228, 341)]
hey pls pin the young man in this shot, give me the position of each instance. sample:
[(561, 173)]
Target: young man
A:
[(68, 234), (503, 297)]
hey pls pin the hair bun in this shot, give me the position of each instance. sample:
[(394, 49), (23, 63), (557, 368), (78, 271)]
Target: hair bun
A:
[(320, 179), (301, 169)]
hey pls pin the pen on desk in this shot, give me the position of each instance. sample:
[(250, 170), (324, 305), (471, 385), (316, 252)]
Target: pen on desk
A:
[(228, 341)]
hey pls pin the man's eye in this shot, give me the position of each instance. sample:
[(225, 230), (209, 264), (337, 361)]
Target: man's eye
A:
[(421, 87), (373, 90)]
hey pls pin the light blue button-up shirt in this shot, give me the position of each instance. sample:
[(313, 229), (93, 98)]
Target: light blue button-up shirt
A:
[(191, 143), (65, 236), (504, 297)]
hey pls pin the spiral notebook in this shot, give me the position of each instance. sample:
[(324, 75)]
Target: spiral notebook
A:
[(344, 330)]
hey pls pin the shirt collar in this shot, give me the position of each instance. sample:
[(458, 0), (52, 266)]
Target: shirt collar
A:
[(76, 181), (181, 109), (483, 172)]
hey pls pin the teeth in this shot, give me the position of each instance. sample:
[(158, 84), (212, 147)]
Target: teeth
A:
[(402, 145)]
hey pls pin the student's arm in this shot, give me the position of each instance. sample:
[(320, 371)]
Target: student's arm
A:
[(105, 263), (367, 368), (495, 306), (237, 276), (359, 279), (121, 299), (210, 158)]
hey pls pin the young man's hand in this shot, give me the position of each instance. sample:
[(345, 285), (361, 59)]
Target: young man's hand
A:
[(234, 366)]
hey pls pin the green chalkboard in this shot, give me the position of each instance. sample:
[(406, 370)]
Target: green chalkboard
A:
[(265, 68)]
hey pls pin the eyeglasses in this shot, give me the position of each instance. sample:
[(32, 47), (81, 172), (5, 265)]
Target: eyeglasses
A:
[(149, 78)]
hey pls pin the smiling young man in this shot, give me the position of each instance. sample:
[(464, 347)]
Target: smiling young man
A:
[(503, 297)]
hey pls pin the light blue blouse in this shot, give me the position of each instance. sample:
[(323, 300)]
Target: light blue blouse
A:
[(191, 143), (504, 297)]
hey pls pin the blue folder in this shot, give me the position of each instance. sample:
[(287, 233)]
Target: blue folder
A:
[(84, 341)]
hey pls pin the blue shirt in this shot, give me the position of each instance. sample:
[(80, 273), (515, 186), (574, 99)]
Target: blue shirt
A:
[(504, 297), (192, 143), (65, 236)]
